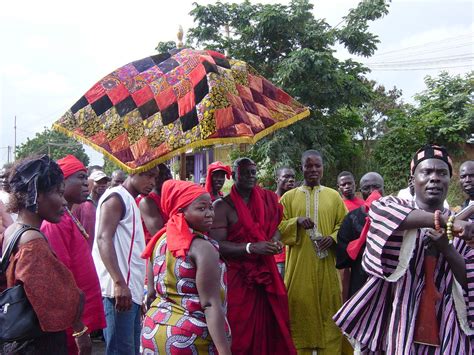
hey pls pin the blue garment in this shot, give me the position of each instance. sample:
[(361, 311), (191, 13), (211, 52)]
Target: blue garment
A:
[(122, 334)]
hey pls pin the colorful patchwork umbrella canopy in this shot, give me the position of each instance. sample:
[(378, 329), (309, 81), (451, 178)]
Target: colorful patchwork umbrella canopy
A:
[(150, 110)]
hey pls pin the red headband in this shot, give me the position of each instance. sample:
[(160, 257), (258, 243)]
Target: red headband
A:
[(70, 165)]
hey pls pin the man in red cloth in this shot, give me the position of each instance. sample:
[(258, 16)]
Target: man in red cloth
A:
[(85, 212), (69, 241), (246, 227), (215, 178)]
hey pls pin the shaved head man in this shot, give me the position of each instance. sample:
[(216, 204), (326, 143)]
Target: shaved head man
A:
[(466, 179)]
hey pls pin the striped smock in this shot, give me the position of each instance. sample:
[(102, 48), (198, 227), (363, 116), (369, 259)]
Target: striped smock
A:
[(380, 318)]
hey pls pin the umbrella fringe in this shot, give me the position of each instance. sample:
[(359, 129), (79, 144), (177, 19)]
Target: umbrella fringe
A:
[(197, 144)]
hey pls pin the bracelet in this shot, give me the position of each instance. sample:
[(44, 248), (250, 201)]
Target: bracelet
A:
[(437, 224), (247, 248), (449, 227), (80, 333)]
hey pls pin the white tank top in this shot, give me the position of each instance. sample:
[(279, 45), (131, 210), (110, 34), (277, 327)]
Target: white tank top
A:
[(129, 242)]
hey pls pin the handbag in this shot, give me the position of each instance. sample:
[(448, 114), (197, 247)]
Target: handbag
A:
[(18, 320)]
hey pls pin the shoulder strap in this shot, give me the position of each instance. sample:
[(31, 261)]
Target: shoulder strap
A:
[(5, 261)]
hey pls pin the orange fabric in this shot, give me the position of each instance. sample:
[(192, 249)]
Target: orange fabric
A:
[(175, 195), (70, 165), (217, 165), (55, 301), (354, 247), (119, 143)]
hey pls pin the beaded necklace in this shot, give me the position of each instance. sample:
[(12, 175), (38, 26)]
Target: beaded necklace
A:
[(78, 224)]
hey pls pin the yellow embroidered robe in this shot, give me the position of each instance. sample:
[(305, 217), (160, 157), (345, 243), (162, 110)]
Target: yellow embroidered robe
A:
[(313, 286)]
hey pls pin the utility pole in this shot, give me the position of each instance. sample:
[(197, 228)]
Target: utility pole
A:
[(14, 144), (8, 154), (182, 156)]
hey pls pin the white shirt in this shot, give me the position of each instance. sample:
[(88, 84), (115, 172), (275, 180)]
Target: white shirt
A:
[(131, 264), (5, 198)]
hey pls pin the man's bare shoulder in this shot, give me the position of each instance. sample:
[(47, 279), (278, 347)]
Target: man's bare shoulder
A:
[(113, 205), (224, 205), (225, 213), (147, 204)]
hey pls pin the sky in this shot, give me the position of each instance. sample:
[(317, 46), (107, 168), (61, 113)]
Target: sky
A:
[(54, 51)]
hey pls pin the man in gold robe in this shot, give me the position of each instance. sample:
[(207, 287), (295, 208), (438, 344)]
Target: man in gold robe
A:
[(311, 219)]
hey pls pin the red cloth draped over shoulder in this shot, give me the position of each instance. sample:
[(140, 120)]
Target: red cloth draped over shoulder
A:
[(356, 202), (48, 284), (175, 195), (353, 248), (257, 299)]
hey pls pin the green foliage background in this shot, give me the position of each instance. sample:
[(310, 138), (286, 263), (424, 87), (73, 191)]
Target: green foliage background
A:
[(57, 145), (357, 124)]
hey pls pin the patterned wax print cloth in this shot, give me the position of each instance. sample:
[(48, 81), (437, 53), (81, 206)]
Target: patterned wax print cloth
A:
[(152, 109), (175, 322)]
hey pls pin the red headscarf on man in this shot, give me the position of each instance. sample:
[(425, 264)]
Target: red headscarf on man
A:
[(217, 165), (175, 195), (70, 165)]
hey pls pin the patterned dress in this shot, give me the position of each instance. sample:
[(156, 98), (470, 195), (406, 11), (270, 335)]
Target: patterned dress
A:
[(175, 322)]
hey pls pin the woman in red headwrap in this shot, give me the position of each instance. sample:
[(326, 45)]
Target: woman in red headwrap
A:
[(189, 278)]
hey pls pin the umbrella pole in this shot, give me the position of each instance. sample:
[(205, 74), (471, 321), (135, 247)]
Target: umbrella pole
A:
[(182, 166)]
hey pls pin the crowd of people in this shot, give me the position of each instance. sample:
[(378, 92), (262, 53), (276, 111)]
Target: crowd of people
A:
[(163, 266)]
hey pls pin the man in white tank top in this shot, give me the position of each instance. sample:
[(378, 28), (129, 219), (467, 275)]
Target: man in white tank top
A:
[(118, 245)]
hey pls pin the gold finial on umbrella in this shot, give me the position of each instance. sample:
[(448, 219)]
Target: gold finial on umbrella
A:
[(180, 37)]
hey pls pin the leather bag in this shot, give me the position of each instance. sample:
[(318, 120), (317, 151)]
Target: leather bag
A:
[(18, 320)]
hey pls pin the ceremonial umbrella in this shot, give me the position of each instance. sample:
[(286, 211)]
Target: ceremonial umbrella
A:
[(150, 110)]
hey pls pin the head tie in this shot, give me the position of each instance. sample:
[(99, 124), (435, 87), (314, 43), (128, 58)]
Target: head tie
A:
[(431, 152), (25, 178)]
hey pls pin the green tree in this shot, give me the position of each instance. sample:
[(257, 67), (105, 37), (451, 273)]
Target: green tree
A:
[(55, 144), (443, 115), (163, 47), (110, 166), (292, 48), (445, 109), (370, 122)]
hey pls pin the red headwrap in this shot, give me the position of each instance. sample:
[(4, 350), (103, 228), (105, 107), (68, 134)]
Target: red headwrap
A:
[(354, 247), (175, 195), (217, 165), (70, 165)]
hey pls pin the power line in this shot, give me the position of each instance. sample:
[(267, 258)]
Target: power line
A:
[(424, 51), (457, 57), (420, 46), (419, 69)]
